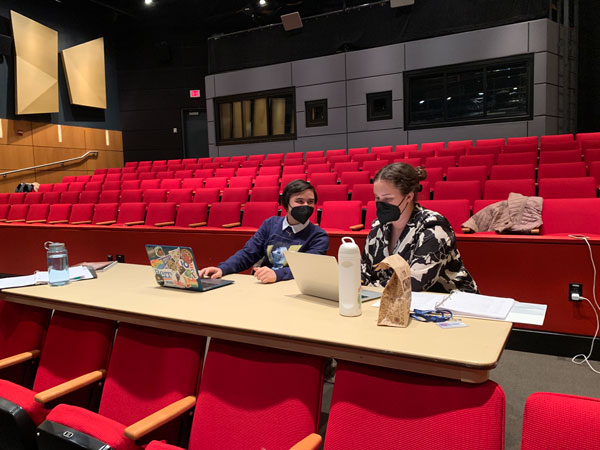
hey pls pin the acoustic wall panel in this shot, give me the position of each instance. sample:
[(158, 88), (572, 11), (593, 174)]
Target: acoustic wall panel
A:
[(84, 70), (36, 71)]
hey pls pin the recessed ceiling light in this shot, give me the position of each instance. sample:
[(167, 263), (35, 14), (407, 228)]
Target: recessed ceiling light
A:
[(148, 2), (262, 2)]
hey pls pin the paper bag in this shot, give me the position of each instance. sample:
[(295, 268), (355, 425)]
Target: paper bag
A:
[(394, 310)]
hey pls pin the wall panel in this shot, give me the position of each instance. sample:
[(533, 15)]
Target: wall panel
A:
[(48, 135)]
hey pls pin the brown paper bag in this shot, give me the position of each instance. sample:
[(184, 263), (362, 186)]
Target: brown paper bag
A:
[(394, 310)]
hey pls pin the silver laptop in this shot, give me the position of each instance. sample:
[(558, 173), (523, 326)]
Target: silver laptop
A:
[(317, 275)]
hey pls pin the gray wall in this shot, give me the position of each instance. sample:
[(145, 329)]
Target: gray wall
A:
[(345, 79)]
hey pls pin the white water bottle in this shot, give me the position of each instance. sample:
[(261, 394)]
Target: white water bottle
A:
[(349, 278)]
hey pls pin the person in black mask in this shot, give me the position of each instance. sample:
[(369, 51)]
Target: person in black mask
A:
[(422, 237), (293, 232)]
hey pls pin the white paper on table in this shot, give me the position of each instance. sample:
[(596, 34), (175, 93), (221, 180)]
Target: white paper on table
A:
[(75, 273)]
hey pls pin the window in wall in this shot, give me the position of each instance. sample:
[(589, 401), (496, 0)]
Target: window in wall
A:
[(256, 117), (486, 91), (316, 113), (379, 106)]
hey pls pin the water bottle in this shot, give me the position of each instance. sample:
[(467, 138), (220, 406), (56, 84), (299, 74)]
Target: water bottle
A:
[(349, 278), (58, 263)]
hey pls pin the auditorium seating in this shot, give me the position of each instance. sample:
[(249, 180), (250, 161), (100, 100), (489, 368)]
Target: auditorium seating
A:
[(456, 211), (553, 421), (342, 215), (365, 411)]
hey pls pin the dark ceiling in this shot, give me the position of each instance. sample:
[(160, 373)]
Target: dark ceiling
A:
[(214, 16)]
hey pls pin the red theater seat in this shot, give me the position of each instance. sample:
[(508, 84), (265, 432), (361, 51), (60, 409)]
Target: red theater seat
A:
[(477, 160), (490, 142), (499, 189), (362, 157), (184, 174), (553, 421), (59, 213), (582, 187), (235, 195), (460, 144), (33, 197), (342, 215), (527, 140), (317, 168), (69, 197), (93, 186), (225, 172), (192, 215), (96, 178), (204, 173), (265, 194), (131, 196), (443, 162), (76, 186), (37, 213), (207, 195), (247, 172), (429, 146), (83, 178), (192, 183), (149, 184), (131, 213), (149, 369), (372, 167), (116, 185), (169, 184), (359, 418), (266, 180), (226, 215), (285, 179), (240, 182), (289, 157), (338, 159), (342, 167), (594, 171), (520, 148), (352, 178), (513, 172), (45, 188), (180, 196), (517, 158), (319, 179), (316, 153), (216, 182), (4, 197), (265, 170), (451, 190), (313, 160), (456, 211), (456, 152), (358, 151), (81, 213), (562, 170), (338, 152), (559, 146), (88, 341), (468, 173), (255, 213), (155, 195), (160, 214), (272, 163), (403, 149), (69, 178), (4, 208), (109, 197), (89, 197), (113, 177), (363, 193), (589, 156), (256, 158), (17, 213), (105, 214), (250, 163), (16, 198), (556, 139), (254, 398), (327, 192), (571, 216), (239, 158), (51, 197), (293, 169), (566, 156)]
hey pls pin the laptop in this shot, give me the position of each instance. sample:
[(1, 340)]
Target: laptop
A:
[(317, 275), (175, 267)]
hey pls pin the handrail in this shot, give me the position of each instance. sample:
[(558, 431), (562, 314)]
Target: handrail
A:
[(79, 158)]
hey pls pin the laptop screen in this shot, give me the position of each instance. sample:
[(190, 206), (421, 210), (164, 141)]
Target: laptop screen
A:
[(173, 266)]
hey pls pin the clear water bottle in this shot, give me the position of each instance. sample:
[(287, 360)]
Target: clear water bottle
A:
[(58, 263), (349, 278)]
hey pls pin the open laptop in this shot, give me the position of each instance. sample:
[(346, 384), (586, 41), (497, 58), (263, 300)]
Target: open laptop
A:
[(175, 267), (317, 275)]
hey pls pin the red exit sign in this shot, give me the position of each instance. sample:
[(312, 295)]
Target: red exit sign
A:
[(194, 93)]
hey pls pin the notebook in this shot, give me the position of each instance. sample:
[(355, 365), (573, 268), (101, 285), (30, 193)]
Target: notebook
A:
[(175, 267), (317, 275)]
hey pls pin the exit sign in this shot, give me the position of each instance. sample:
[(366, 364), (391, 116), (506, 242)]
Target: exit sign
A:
[(194, 93)]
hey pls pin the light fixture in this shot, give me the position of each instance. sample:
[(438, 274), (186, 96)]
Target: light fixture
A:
[(421, 102), (480, 93), (514, 89), (449, 98), (148, 2), (262, 3)]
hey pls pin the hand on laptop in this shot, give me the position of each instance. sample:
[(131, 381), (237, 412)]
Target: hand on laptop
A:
[(265, 275), (210, 272)]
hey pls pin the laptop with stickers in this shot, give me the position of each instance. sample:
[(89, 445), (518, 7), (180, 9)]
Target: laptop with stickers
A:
[(175, 267)]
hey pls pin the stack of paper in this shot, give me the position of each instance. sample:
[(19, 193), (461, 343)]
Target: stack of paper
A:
[(75, 273)]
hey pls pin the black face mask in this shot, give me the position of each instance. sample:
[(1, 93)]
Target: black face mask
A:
[(302, 213), (387, 212)]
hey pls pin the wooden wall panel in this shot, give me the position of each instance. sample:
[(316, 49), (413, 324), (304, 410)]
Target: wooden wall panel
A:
[(19, 126), (15, 157), (10, 182), (48, 135), (105, 159), (3, 131), (95, 139), (45, 155)]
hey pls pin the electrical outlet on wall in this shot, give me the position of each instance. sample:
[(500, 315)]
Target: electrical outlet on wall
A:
[(575, 292)]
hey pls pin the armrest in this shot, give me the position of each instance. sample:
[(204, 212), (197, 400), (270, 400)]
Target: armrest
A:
[(16, 220), (159, 418), (69, 386), (108, 222), (466, 230), (2, 220), (535, 231), (18, 359), (139, 222), (36, 221), (81, 222), (360, 226), (59, 221), (310, 442), (197, 224), (163, 224), (231, 225)]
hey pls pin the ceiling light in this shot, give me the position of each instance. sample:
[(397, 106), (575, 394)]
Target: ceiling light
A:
[(514, 89), (421, 102), (262, 3), (449, 98), (480, 93), (148, 2)]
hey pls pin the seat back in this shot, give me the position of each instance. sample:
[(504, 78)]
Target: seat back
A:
[(241, 182), (18, 212), (255, 213), (266, 180), (105, 212), (319, 179), (131, 212), (354, 177), (256, 397), (499, 189), (69, 197), (553, 421), (223, 213), (561, 170), (192, 183), (179, 196), (518, 158), (170, 184), (150, 184), (467, 173), (160, 213), (573, 216), (51, 197), (513, 172), (216, 182), (363, 193), (450, 190), (265, 194), (76, 186), (565, 156), (89, 197), (336, 192), (582, 187), (191, 213), (149, 369), (34, 197), (456, 211), (155, 195), (109, 197), (38, 211), (366, 413), (16, 198), (523, 140), (234, 194), (341, 214), (58, 212), (82, 212)]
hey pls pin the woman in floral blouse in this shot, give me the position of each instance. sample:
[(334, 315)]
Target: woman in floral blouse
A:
[(422, 237)]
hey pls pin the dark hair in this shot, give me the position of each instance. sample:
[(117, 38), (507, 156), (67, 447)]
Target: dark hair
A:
[(295, 187), (405, 177)]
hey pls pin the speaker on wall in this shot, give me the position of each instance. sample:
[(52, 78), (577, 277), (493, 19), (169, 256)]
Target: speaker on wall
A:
[(291, 21)]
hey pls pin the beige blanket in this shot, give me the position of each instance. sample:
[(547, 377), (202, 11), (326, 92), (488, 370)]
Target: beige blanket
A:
[(518, 214)]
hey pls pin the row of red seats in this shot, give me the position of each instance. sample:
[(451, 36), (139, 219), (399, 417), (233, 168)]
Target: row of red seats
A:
[(559, 215)]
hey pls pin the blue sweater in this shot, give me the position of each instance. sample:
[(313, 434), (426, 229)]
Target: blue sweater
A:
[(270, 241)]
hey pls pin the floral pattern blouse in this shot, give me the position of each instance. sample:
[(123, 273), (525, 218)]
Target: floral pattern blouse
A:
[(428, 244)]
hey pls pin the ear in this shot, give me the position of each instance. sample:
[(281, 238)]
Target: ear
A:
[(411, 197)]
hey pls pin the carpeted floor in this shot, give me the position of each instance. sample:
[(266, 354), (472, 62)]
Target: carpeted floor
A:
[(521, 374)]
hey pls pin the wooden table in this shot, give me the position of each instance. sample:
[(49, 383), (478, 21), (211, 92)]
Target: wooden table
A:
[(277, 315)]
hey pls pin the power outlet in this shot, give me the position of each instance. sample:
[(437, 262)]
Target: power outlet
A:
[(575, 292)]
